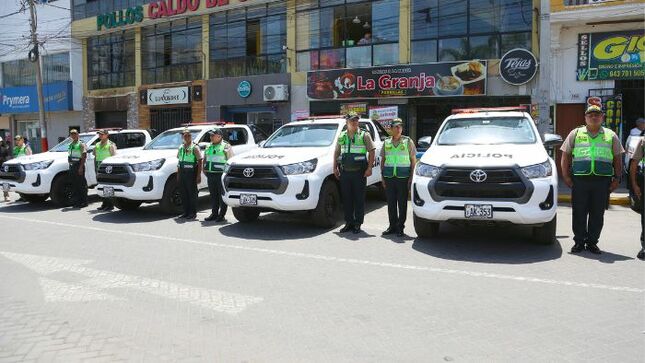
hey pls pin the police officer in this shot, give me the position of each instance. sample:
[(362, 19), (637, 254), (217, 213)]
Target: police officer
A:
[(353, 161), (189, 174), (77, 154), (20, 148), (399, 155), (215, 157), (591, 165), (103, 150), (637, 177)]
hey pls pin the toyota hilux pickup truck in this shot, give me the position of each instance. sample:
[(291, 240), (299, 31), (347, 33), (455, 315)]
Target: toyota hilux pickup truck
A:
[(150, 175), (44, 175), (292, 171), (487, 166)]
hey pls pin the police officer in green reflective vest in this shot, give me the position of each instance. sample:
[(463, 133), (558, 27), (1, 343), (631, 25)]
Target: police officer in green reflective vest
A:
[(215, 157), (189, 174), (103, 150), (20, 148), (591, 167), (76, 156), (637, 177), (353, 162), (399, 155)]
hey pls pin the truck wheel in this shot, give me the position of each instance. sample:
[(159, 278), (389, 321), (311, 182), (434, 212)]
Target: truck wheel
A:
[(424, 228), (545, 234), (34, 198), (61, 191), (171, 201), (326, 213), (126, 204), (246, 215)]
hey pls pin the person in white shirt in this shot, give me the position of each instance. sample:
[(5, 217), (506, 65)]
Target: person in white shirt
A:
[(640, 127)]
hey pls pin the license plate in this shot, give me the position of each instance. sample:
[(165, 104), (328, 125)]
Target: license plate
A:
[(5, 187), (482, 211), (108, 192), (248, 199)]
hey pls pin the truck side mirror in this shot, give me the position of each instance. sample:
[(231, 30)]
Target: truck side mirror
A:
[(425, 142), (552, 140)]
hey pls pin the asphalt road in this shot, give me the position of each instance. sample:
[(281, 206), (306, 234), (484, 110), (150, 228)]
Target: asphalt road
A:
[(83, 285)]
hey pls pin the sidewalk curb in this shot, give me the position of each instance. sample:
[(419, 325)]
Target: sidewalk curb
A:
[(613, 200)]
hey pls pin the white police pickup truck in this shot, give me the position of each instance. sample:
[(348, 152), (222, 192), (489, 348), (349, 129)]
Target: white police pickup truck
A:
[(487, 166), (44, 175), (150, 175), (292, 171)]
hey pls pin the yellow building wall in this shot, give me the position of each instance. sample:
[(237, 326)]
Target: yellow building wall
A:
[(560, 5)]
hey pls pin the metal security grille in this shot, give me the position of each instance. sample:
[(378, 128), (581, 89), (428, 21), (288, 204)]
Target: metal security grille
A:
[(162, 119)]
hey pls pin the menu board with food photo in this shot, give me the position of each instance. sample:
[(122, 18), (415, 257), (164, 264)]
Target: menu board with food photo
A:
[(448, 79)]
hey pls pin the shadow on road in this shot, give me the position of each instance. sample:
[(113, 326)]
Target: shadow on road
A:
[(605, 257), (512, 245)]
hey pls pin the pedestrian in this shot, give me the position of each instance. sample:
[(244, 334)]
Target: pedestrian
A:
[(103, 150), (77, 155), (189, 174), (591, 167), (5, 154), (20, 148), (215, 157), (399, 155), (637, 177), (639, 130), (353, 161)]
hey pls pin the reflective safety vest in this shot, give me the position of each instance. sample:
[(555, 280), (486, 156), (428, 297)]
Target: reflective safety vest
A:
[(353, 152), (186, 156), (397, 159), (593, 156), (19, 151), (215, 157), (75, 151), (102, 152)]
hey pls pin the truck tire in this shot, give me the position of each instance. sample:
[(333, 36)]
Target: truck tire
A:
[(246, 215), (126, 204), (424, 228), (171, 201), (34, 198), (327, 211), (61, 191), (545, 235)]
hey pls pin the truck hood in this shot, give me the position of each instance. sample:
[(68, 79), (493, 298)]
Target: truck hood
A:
[(280, 156), (48, 155), (137, 155), (485, 155)]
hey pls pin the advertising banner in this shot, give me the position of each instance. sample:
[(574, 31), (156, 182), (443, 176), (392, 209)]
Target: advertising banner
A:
[(611, 55), (57, 95), (384, 115)]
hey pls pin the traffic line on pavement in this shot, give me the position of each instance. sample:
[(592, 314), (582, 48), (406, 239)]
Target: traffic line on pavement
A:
[(340, 259)]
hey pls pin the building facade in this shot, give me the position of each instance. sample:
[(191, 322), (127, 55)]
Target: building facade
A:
[(158, 64), (61, 66)]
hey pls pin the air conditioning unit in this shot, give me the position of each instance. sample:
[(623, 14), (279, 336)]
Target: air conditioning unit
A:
[(276, 92)]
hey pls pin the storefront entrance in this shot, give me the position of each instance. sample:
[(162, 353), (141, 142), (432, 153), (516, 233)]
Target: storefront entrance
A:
[(265, 118), (633, 93), (162, 118), (30, 130), (111, 119)]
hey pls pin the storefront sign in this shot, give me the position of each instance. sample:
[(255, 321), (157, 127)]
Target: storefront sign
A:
[(119, 18), (244, 89), (384, 115), (57, 97), (613, 108), (359, 108), (611, 55), (518, 66), (456, 79), (165, 8), (168, 96)]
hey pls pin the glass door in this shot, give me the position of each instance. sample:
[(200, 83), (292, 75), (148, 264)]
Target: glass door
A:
[(30, 130)]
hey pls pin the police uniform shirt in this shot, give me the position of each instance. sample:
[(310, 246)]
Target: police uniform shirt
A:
[(83, 147), (569, 142), (367, 139), (638, 153), (411, 148), (196, 152)]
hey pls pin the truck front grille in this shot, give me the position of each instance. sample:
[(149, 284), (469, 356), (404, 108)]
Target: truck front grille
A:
[(500, 184), (256, 178), (12, 172), (115, 174)]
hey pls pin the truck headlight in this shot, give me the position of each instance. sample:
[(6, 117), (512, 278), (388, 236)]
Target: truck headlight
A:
[(427, 170), (304, 167), (148, 165), (39, 165), (541, 170)]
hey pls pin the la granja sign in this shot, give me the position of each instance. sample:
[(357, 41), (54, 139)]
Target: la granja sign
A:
[(156, 10)]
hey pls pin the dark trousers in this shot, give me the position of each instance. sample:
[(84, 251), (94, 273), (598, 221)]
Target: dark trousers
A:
[(641, 184), (396, 192), (589, 198), (188, 191), (79, 184), (215, 188), (352, 189)]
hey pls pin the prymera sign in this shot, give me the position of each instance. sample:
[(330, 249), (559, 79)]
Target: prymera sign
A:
[(168, 96)]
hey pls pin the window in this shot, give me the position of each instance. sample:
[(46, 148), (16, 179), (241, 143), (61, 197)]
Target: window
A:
[(453, 30), (55, 67), (128, 140), (248, 41), (110, 60), (235, 135), (347, 33), (172, 51)]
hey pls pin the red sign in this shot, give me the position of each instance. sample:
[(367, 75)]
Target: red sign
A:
[(165, 8)]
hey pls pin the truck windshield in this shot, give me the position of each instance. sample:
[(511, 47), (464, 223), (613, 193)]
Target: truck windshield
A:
[(170, 139), (63, 146), (487, 131), (305, 135)]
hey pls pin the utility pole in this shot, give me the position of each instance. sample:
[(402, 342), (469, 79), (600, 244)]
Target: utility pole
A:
[(544, 86), (34, 56)]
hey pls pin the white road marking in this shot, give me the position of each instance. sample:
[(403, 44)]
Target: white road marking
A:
[(98, 280), (340, 259)]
